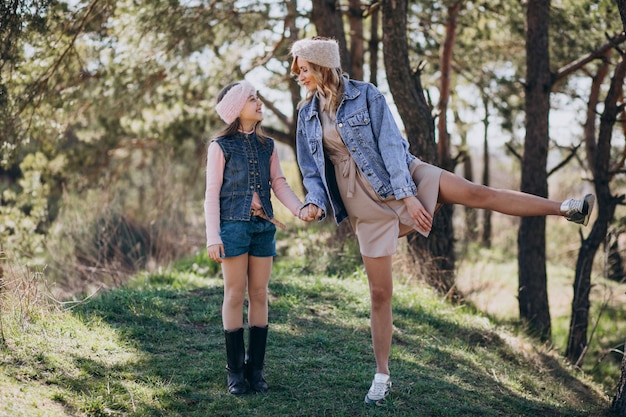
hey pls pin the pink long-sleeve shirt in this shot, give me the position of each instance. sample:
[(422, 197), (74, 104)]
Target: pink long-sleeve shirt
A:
[(214, 178)]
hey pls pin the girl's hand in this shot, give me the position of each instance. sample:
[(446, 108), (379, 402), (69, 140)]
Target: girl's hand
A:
[(418, 213), (215, 252), (310, 212)]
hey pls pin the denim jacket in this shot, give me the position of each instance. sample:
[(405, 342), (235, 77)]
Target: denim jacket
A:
[(247, 170), (370, 133)]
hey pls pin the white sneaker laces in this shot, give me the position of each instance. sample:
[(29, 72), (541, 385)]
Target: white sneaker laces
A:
[(379, 389), (572, 206)]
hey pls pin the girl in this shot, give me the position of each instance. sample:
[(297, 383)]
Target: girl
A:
[(374, 181), (242, 168)]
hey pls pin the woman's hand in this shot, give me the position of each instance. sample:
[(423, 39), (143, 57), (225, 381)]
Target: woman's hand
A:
[(422, 218), (215, 252), (310, 212)]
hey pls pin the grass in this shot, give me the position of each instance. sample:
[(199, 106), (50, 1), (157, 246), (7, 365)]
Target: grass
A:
[(490, 282), (155, 348)]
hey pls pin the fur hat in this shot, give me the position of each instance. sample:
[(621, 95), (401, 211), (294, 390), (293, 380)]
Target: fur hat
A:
[(232, 103), (324, 52)]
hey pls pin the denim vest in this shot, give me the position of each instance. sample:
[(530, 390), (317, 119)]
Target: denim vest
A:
[(247, 171), (369, 131)]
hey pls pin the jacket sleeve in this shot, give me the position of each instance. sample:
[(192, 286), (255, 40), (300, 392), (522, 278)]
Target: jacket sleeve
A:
[(392, 146), (281, 188), (311, 175)]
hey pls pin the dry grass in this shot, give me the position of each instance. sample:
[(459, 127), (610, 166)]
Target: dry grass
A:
[(23, 295)]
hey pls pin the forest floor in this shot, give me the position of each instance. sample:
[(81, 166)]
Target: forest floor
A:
[(155, 347)]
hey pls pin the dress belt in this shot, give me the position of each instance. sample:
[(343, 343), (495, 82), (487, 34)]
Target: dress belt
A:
[(261, 213), (348, 169)]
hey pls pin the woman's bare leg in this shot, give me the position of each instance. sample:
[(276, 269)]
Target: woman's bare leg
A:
[(381, 321), (454, 189)]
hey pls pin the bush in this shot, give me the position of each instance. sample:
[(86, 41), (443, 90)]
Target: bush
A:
[(323, 247), (23, 295), (96, 243), (24, 211)]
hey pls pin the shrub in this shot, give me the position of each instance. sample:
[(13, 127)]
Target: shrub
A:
[(24, 211)]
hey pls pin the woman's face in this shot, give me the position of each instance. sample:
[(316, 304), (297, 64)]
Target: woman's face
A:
[(305, 77)]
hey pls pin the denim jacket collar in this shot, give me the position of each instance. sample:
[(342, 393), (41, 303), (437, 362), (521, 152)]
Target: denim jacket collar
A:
[(350, 93)]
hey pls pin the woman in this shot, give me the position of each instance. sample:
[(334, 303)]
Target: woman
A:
[(242, 168), (354, 160)]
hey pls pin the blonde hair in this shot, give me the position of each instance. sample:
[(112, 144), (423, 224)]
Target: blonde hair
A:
[(329, 84)]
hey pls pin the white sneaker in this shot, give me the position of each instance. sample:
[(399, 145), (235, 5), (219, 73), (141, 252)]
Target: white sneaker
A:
[(578, 211), (381, 386)]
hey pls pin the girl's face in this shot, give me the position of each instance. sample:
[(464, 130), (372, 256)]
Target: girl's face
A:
[(252, 111), (305, 77)]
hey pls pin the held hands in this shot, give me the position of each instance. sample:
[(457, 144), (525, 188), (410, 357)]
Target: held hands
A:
[(418, 213), (310, 212), (215, 252)]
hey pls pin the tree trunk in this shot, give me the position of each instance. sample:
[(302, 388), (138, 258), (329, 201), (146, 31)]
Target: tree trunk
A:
[(465, 158), (619, 402), (328, 20), (287, 135), (487, 214), (408, 95), (445, 64), (533, 291), (355, 19), (577, 339), (373, 43), (471, 214), (615, 264), (579, 320)]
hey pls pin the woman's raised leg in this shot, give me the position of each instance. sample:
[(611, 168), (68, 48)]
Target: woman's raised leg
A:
[(454, 189)]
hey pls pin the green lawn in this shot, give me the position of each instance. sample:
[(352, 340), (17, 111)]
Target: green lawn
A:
[(155, 348)]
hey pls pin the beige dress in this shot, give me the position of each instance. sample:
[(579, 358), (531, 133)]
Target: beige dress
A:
[(377, 223)]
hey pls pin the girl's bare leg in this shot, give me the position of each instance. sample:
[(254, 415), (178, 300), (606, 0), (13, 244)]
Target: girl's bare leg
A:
[(381, 321), (259, 271), (235, 271), (454, 189)]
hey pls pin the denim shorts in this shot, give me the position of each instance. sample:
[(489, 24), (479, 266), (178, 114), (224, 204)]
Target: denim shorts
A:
[(256, 237)]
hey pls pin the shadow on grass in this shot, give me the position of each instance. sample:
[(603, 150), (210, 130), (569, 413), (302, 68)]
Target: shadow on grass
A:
[(319, 360)]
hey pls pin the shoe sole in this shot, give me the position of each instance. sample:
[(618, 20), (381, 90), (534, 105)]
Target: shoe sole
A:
[(590, 200), (583, 218), (374, 402), (368, 401)]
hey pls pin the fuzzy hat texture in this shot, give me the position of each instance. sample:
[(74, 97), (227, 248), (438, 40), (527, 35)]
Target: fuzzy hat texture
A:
[(232, 103), (324, 52)]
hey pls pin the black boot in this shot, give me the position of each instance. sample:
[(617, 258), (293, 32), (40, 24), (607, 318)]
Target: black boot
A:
[(255, 358), (235, 362)]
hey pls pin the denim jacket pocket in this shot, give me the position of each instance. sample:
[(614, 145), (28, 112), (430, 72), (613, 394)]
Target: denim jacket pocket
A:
[(359, 119)]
